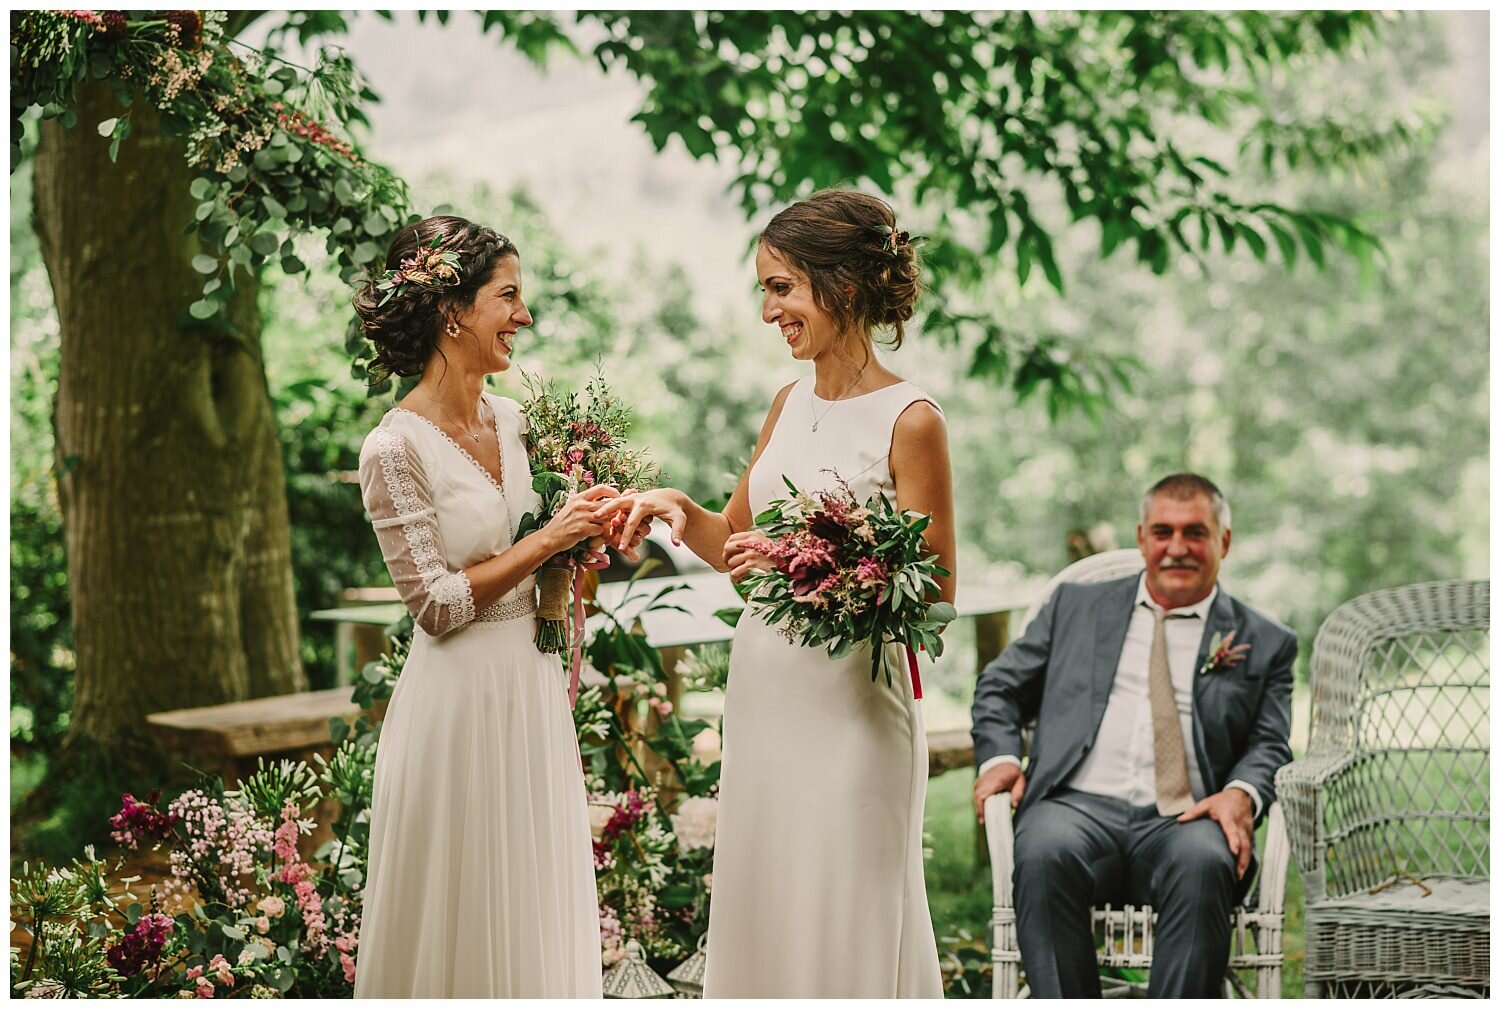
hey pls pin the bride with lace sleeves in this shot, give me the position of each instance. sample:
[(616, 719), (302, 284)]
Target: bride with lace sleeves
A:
[(398, 498), (481, 871)]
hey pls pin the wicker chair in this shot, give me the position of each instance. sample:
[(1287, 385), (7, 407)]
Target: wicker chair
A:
[(1127, 934), (1389, 811)]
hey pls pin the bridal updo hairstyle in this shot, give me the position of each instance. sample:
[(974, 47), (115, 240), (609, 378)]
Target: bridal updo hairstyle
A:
[(863, 271), (409, 326)]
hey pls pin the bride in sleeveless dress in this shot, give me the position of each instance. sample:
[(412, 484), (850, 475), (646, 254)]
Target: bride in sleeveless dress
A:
[(818, 886), (481, 872)]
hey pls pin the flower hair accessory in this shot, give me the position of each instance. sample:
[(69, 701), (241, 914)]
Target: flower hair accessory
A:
[(893, 239), (1223, 653), (428, 268)]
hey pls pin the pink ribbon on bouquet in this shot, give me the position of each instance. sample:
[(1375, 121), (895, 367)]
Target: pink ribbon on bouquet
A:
[(916, 679), (595, 562)]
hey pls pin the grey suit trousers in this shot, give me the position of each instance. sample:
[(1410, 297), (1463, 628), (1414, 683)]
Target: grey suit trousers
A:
[(1075, 850)]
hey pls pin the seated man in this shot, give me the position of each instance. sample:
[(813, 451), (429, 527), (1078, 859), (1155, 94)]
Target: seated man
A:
[(1162, 707)]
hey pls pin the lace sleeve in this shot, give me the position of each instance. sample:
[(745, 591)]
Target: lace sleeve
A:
[(397, 496)]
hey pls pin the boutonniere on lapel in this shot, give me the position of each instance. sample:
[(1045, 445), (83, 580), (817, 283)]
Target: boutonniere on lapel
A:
[(1223, 653)]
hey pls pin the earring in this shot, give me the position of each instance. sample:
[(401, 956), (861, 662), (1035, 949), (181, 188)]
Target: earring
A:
[(452, 331)]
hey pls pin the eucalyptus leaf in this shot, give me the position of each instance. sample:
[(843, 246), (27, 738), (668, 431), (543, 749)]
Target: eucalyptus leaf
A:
[(265, 243)]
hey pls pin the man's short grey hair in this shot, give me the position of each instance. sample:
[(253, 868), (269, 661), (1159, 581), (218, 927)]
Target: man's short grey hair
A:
[(1182, 486)]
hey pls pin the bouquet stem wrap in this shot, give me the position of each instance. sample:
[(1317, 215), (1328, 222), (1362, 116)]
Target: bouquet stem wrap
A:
[(916, 678), (552, 606)]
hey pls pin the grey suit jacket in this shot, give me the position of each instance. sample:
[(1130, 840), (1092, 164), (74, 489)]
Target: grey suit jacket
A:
[(1061, 670)]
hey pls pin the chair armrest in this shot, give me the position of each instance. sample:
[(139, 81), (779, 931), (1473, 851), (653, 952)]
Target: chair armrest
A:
[(1272, 896), (1300, 787), (999, 834)]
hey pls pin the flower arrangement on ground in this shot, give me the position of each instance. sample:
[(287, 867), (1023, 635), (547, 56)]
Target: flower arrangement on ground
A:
[(259, 918), (653, 794), (246, 912), (572, 446), (848, 574)]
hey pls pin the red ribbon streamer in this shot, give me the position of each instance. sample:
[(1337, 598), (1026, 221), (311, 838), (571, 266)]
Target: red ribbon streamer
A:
[(594, 563), (916, 680)]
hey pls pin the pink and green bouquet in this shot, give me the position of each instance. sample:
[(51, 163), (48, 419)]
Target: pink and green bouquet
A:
[(572, 446), (849, 574)]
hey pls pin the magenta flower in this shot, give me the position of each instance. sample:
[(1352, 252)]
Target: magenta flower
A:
[(140, 947), (138, 821)]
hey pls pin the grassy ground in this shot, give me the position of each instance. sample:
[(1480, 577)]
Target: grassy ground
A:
[(958, 880)]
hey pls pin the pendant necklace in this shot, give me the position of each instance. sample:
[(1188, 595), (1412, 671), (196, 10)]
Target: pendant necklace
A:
[(817, 417), (462, 430)]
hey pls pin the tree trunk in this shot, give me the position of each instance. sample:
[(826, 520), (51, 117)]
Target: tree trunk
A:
[(169, 466)]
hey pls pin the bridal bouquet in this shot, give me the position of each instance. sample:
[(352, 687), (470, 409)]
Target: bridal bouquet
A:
[(848, 574), (572, 446)]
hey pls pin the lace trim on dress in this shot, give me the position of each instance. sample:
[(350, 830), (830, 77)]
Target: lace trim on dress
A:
[(511, 607), (421, 539), (500, 449)]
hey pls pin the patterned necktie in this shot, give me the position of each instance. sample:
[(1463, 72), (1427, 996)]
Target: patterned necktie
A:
[(1173, 794)]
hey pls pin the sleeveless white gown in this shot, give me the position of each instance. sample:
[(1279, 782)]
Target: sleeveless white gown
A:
[(818, 886), (481, 878)]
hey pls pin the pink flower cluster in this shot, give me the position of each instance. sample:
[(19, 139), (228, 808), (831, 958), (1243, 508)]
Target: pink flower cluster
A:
[(825, 560), (86, 17), (203, 977), (808, 561), (345, 945), (138, 821), (175, 73), (303, 879), (590, 431), (140, 947), (227, 840), (611, 936), (311, 130)]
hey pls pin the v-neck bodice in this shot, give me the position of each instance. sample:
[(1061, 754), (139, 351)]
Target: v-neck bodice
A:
[(438, 511), (499, 484)]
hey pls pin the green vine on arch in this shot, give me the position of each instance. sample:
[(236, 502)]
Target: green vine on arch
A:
[(251, 124)]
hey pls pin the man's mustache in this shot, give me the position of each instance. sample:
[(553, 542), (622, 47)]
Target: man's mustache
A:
[(1167, 565)]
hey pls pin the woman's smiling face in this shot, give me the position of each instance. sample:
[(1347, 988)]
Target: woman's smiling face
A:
[(489, 326), (788, 303)]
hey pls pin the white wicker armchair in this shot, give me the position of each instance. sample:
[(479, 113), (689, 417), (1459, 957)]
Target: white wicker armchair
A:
[(1389, 812), (1126, 934)]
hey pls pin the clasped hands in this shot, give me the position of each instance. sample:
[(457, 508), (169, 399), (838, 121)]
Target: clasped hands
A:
[(598, 515), (1232, 809), (625, 517)]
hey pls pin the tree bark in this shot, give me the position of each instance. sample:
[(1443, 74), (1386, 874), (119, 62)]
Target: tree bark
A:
[(169, 465)]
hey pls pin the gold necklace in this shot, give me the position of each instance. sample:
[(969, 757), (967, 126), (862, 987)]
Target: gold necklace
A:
[(463, 430), (812, 407)]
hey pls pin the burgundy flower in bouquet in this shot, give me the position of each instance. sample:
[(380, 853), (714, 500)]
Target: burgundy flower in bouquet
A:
[(848, 574)]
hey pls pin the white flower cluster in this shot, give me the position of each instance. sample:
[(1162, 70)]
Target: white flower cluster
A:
[(695, 821)]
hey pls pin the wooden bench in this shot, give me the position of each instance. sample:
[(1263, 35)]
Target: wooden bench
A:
[(227, 738), (949, 750)]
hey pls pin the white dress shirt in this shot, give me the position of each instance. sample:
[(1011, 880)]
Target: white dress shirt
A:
[(1122, 762)]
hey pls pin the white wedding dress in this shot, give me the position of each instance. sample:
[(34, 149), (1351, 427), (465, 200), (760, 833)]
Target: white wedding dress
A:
[(481, 878), (818, 887)]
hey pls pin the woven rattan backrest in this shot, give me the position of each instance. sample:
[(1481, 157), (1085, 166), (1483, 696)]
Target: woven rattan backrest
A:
[(1100, 567), (1400, 677)]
